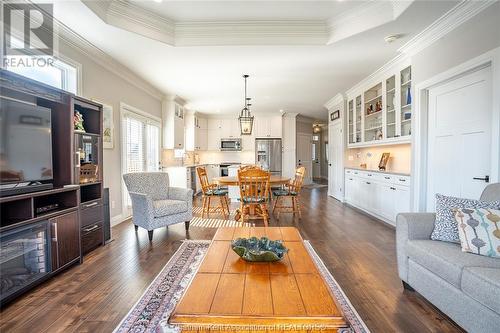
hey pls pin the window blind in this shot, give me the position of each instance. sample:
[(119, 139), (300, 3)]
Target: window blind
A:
[(141, 138)]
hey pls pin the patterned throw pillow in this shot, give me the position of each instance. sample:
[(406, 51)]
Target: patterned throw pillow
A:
[(445, 226), (479, 231)]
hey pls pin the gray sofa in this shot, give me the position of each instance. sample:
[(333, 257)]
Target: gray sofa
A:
[(464, 286), (155, 204)]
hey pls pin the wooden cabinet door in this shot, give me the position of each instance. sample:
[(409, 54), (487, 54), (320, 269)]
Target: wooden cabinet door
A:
[(275, 127), (65, 230), (213, 140), (402, 200), (178, 133), (201, 139)]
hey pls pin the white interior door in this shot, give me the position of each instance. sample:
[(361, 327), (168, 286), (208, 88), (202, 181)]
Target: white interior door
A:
[(335, 163), (459, 136), (304, 155)]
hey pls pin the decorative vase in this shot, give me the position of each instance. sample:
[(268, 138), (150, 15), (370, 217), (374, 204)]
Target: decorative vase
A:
[(408, 95)]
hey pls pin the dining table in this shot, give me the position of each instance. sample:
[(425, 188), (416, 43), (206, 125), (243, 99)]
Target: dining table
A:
[(274, 181)]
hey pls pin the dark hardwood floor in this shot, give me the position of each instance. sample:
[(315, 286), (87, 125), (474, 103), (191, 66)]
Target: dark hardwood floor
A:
[(358, 251)]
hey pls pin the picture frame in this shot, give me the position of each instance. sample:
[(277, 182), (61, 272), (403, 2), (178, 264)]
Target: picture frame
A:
[(108, 129), (335, 115), (383, 161)]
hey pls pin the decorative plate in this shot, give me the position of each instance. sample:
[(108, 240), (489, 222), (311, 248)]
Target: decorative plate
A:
[(259, 250)]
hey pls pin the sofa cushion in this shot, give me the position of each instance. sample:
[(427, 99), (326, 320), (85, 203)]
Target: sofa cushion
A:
[(483, 285), (169, 207), (446, 259), (478, 231), (445, 226)]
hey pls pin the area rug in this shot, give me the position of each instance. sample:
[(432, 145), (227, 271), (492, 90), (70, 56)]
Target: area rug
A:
[(151, 312)]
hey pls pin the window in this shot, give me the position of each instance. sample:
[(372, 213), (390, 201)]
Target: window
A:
[(141, 144), (48, 70)]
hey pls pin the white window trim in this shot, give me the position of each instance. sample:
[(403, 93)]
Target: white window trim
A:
[(124, 109)]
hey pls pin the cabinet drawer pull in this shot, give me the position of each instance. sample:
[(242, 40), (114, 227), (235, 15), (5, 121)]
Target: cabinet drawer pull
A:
[(402, 180), (387, 177), (91, 204), (91, 228), (393, 188), (368, 183), (369, 175)]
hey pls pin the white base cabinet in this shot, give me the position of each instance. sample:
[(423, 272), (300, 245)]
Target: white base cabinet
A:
[(383, 195)]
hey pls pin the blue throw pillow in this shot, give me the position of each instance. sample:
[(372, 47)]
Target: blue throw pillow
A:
[(445, 226)]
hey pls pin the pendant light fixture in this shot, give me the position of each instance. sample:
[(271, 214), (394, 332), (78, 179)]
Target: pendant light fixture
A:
[(246, 118)]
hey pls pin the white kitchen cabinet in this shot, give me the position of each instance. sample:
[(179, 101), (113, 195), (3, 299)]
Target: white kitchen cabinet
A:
[(248, 142), (213, 139), (230, 128), (196, 132), (173, 125), (383, 195), (268, 127)]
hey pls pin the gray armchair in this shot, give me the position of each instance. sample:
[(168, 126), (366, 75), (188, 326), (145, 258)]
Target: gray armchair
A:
[(464, 286), (155, 204)]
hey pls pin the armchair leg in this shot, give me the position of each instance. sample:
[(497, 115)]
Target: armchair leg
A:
[(136, 227), (406, 286), (186, 224), (150, 235)]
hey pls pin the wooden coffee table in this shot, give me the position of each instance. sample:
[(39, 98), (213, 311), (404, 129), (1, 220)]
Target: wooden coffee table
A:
[(228, 293)]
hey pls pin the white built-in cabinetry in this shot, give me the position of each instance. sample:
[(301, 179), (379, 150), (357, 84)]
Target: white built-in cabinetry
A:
[(229, 128), (383, 195), (379, 109), (268, 127), (173, 124), (196, 132)]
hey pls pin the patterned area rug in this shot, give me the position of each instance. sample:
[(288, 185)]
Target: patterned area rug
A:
[(151, 312)]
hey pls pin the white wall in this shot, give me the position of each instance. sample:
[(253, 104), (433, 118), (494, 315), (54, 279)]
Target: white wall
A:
[(471, 39), (106, 87)]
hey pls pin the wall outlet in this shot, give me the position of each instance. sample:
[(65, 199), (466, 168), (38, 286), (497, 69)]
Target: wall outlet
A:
[(113, 204)]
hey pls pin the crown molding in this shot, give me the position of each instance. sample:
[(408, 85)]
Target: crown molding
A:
[(126, 15), (334, 101), (251, 33), (95, 54), (364, 17), (455, 17), (398, 61)]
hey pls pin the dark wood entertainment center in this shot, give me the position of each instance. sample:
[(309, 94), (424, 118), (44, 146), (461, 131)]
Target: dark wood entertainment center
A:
[(69, 217)]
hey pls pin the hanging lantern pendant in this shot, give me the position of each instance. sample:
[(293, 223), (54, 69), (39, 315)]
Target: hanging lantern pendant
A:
[(246, 119)]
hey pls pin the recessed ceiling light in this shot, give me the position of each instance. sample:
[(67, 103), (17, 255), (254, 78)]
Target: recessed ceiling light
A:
[(392, 38), (157, 1), (281, 111)]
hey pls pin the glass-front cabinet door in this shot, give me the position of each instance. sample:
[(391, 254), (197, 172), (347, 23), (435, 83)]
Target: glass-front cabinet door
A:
[(406, 101), (373, 113), (350, 121), (390, 107), (357, 116)]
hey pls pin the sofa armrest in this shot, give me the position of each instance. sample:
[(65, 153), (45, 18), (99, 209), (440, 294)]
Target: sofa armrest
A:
[(410, 226), (142, 208)]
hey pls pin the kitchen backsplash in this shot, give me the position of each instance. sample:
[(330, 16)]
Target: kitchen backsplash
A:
[(399, 160)]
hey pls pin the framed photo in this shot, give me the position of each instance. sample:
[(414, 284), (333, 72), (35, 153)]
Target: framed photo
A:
[(335, 115), (108, 130), (383, 161)]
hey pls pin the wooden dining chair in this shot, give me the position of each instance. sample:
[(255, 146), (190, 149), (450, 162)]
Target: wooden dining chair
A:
[(291, 191), (209, 191), (254, 188)]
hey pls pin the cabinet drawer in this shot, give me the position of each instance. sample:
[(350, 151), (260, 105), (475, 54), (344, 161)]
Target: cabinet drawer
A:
[(92, 237), (91, 212), (402, 180)]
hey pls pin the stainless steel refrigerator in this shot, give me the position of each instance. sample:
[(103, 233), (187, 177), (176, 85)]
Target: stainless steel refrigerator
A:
[(268, 155)]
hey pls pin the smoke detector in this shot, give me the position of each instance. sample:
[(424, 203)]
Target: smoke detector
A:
[(392, 38)]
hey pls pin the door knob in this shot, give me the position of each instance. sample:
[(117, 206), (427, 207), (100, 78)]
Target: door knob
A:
[(329, 164), (486, 178)]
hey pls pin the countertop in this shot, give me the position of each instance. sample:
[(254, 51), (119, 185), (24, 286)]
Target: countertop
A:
[(378, 171)]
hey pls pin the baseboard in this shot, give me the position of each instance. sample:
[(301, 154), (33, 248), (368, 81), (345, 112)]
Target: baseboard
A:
[(117, 219)]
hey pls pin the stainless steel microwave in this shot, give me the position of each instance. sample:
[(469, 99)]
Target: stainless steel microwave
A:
[(230, 144)]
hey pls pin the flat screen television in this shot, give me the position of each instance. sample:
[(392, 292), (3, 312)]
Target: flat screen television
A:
[(25, 145)]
